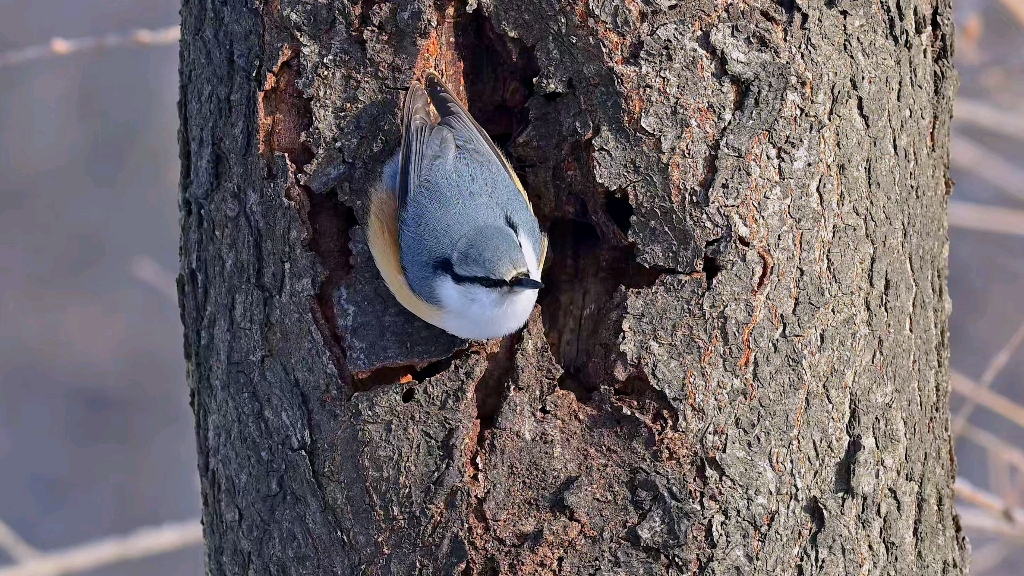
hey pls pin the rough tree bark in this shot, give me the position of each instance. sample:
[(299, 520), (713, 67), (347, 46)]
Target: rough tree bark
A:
[(739, 364)]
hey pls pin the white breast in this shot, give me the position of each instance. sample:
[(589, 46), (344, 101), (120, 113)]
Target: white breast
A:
[(478, 313)]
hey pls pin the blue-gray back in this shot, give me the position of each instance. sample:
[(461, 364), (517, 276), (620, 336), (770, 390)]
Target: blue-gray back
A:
[(450, 179), (457, 191)]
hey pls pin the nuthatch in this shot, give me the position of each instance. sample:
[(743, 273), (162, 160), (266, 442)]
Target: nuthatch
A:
[(450, 228)]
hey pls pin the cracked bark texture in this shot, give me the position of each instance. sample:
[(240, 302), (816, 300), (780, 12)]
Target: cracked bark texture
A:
[(739, 364)]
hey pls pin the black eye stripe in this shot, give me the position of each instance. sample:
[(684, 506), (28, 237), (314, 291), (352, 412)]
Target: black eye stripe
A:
[(445, 265), (488, 282)]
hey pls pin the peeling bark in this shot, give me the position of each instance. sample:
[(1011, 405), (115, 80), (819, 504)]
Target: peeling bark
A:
[(739, 364)]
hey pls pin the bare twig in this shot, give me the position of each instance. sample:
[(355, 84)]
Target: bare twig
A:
[(61, 46), (995, 366), (988, 557), (989, 512), (992, 443), (988, 501), (995, 402), (147, 270), (999, 120), (1000, 478), (1000, 360), (970, 156), (14, 545), (1015, 7), (986, 218), (141, 543), (973, 518)]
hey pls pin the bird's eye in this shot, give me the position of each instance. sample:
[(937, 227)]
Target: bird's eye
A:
[(445, 265), (490, 282)]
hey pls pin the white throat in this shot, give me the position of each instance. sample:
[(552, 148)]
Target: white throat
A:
[(477, 313)]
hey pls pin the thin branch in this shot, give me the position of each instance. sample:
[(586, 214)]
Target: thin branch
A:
[(986, 218), (14, 545), (999, 120), (1015, 7), (995, 402), (973, 518), (995, 366), (992, 443), (148, 271), (987, 558), (1000, 480), (61, 46), (988, 501), (141, 543), (971, 157), (989, 512)]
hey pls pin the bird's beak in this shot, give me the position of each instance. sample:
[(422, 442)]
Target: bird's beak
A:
[(526, 283)]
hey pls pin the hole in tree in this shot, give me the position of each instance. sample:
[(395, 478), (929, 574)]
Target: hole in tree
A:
[(569, 281), (583, 304), (490, 389), (844, 470), (383, 376), (432, 369), (400, 374), (635, 385), (711, 265), (580, 389), (620, 211), (789, 6), (813, 509), (498, 73), (711, 269)]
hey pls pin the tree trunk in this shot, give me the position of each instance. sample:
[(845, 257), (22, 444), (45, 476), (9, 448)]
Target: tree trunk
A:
[(739, 364)]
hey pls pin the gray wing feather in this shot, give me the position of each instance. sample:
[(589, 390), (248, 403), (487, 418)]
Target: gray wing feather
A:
[(449, 181), (455, 116), (417, 125)]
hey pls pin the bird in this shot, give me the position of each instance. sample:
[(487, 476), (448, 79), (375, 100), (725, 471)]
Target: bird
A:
[(450, 228)]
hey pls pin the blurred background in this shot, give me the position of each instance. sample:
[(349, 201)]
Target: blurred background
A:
[(97, 456), (95, 429), (986, 282)]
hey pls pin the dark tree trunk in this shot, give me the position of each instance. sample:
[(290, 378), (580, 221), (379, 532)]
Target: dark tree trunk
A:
[(739, 364)]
